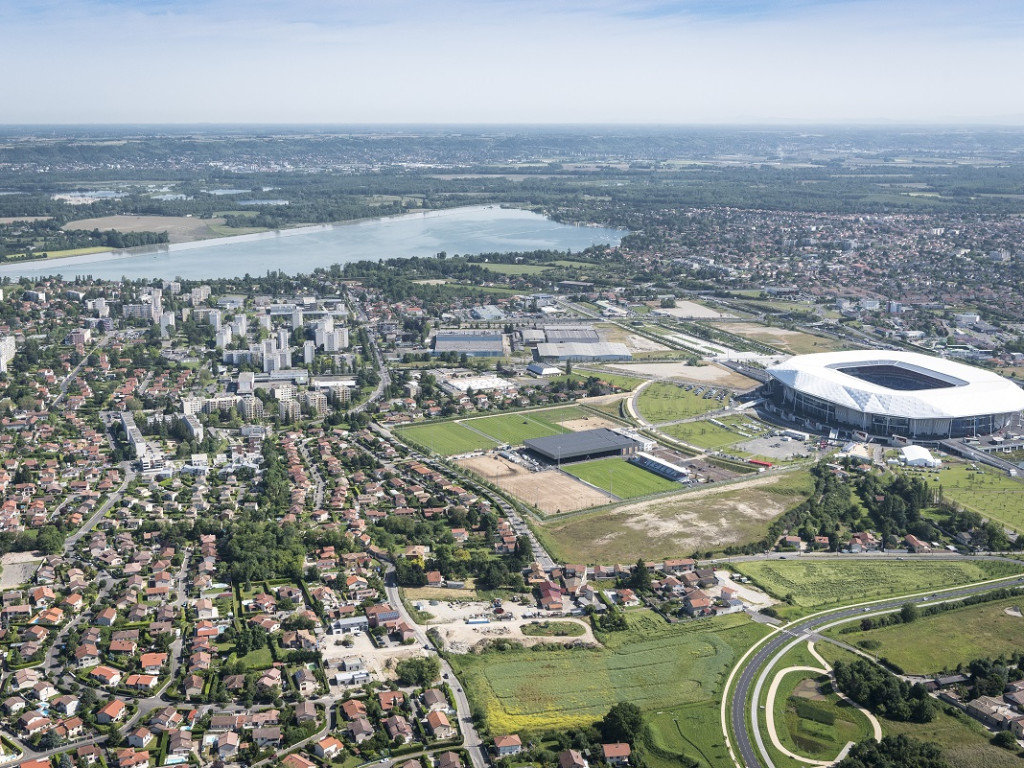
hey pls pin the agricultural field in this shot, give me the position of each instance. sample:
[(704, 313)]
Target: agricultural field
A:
[(984, 490), (446, 438), (515, 269), (703, 434), (663, 401), (783, 339), (653, 664), (621, 478), (812, 583), (704, 519), (180, 229), (935, 643)]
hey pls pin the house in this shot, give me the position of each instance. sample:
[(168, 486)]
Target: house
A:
[(141, 682), (305, 681), (179, 744), (390, 699), (398, 727), (152, 663), (267, 737), (377, 615), (88, 755), (353, 709), (509, 744), (915, 545), (140, 737), (434, 700), (305, 712), (327, 748), (360, 729), (570, 758), (616, 754), (440, 727), (295, 760), (106, 617), (106, 676), (227, 745), (448, 760), (111, 712)]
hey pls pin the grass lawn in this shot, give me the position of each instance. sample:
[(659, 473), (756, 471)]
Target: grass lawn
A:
[(705, 519), (817, 583), (986, 491), (621, 478), (446, 438), (553, 629), (703, 434), (515, 269), (256, 659), (653, 664), (820, 726), (964, 742), (935, 643), (784, 339)]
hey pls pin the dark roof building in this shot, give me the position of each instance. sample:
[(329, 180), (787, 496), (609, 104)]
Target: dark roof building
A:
[(589, 444)]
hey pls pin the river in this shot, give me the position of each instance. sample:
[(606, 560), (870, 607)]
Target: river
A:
[(464, 231)]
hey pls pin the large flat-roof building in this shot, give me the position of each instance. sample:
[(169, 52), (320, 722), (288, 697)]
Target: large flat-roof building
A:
[(471, 343), (582, 334), (574, 351), (887, 393), (588, 444)]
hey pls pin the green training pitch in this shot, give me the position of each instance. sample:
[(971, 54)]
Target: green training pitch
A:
[(514, 428), (621, 478), (813, 583), (652, 664), (447, 438)]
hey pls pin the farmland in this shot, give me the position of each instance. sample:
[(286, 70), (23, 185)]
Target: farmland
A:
[(653, 664), (703, 519), (935, 643), (785, 340), (663, 401), (816, 583), (621, 478)]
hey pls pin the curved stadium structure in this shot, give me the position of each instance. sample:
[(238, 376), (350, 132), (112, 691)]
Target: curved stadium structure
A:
[(895, 393)]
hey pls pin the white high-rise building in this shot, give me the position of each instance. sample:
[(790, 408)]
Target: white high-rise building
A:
[(223, 337), (6, 352), (283, 338), (297, 319), (266, 322), (308, 352)]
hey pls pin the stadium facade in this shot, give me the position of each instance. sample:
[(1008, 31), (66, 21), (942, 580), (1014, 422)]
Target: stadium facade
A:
[(894, 393)]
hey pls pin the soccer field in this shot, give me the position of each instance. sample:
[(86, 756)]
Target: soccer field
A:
[(447, 438), (621, 478)]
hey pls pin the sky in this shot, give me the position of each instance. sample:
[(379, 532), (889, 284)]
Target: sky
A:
[(512, 61)]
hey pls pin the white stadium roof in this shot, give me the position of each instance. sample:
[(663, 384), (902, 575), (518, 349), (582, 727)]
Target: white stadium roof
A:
[(965, 391)]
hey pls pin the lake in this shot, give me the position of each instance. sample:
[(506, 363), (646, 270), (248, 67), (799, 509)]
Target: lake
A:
[(463, 231)]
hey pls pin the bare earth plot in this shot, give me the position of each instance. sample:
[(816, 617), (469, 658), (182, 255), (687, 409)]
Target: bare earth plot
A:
[(694, 310), (180, 229), (18, 568), (700, 374), (550, 491), (633, 342), (706, 519), (785, 339), (589, 422)]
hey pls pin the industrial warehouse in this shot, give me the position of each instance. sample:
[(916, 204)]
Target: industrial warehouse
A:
[(578, 446), (886, 394)]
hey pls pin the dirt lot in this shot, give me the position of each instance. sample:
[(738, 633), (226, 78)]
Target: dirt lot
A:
[(699, 374), (589, 422), (632, 341), (776, 448), (784, 339), (379, 661), (181, 229), (18, 568), (459, 637), (550, 491), (692, 309)]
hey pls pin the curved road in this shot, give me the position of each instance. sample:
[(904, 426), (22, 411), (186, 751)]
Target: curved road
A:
[(749, 743)]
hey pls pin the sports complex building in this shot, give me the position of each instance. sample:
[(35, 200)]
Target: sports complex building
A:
[(895, 393), (577, 446)]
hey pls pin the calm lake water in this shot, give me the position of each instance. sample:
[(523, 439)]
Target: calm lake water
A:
[(458, 231)]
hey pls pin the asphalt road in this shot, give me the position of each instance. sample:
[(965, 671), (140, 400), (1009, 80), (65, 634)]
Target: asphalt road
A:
[(748, 740)]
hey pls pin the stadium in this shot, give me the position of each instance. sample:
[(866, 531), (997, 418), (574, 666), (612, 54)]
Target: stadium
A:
[(894, 393)]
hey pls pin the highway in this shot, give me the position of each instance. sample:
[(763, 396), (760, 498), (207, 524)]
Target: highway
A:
[(750, 674)]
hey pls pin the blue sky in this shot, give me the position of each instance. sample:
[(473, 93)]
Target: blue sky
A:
[(512, 61)]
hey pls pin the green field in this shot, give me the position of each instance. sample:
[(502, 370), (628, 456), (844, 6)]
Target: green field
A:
[(447, 438), (964, 742), (516, 269), (986, 491), (817, 583), (653, 664), (705, 519), (553, 629), (940, 642), (621, 478), (703, 434), (816, 727), (663, 401)]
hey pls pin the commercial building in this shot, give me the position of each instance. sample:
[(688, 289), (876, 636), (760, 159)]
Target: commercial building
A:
[(588, 444), (471, 343)]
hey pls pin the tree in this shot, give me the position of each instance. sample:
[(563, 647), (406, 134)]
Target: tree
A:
[(908, 613), (419, 672), (624, 722), (892, 752), (640, 578)]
